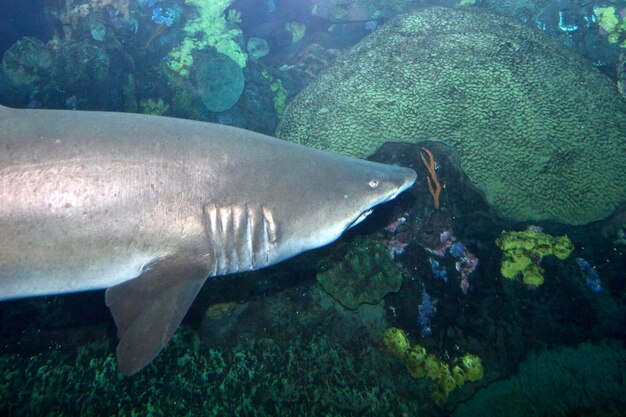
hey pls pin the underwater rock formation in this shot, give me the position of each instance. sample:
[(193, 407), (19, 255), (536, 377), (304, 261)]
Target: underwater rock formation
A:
[(538, 129), (257, 47), (81, 66), (27, 61), (587, 380)]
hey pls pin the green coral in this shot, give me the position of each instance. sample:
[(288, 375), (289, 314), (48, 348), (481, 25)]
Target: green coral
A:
[(152, 106), (298, 30), (538, 129), (210, 28), (80, 66), (523, 252), (365, 275), (612, 23), (280, 93), (27, 61)]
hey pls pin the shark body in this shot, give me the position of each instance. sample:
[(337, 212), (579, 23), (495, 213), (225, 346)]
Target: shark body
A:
[(148, 207)]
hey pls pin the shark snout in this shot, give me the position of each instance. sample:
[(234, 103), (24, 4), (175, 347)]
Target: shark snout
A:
[(404, 178), (391, 182)]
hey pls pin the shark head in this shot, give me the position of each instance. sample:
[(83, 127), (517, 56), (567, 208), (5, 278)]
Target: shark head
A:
[(337, 193)]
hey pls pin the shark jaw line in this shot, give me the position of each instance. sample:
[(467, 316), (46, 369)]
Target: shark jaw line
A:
[(369, 211), (361, 217)]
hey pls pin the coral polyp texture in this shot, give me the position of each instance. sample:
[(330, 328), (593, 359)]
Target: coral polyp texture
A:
[(420, 364), (523, 251), (538, 129)]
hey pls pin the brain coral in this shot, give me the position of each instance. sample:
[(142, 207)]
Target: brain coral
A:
[(538, 129)]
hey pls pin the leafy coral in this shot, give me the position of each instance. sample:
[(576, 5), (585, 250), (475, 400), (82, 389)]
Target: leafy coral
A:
[(26, 61), (365, 275)]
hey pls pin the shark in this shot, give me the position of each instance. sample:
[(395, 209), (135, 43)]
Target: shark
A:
[(150, 207)]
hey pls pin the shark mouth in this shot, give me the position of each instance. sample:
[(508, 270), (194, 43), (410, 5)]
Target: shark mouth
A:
[(361, 217), (407, 184)]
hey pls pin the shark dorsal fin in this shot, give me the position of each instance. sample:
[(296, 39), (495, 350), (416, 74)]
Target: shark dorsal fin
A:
[(148, 309)]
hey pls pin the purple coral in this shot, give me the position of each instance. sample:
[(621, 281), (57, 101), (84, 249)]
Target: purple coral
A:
[(425, 312)]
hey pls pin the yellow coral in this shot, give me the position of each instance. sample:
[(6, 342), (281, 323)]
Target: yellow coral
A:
[(473, 368), (420, 364), (533, 275), (610, 21), (414, 361), (396, 341), (524, 250), (514, 261), (607, 18), (297, 30), (219, 311)]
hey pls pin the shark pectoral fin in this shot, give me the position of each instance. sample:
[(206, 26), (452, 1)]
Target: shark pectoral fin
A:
[(148, 309)]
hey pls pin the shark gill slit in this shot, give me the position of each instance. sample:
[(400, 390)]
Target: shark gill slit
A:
[(241, 237)]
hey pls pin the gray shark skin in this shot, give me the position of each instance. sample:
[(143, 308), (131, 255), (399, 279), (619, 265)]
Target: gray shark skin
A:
[(148, 207)]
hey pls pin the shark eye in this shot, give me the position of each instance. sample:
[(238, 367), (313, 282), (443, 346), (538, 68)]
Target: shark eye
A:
[(373, 183)]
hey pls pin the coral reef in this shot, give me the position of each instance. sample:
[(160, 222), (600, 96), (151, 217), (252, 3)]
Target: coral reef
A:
[(590, 274), (425, 312), (365, 275), (621, 75), (74, 13), (500, 94), (523, 251), (358, 10), (280, 94), (298, 30), (152, 106), (582, 381), (27, 61), (81, 65), (612, 24), (211, 28), (420, 364), (524, 10), (304, 376)]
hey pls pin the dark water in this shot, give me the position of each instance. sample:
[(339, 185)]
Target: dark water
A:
[(502, 293)]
